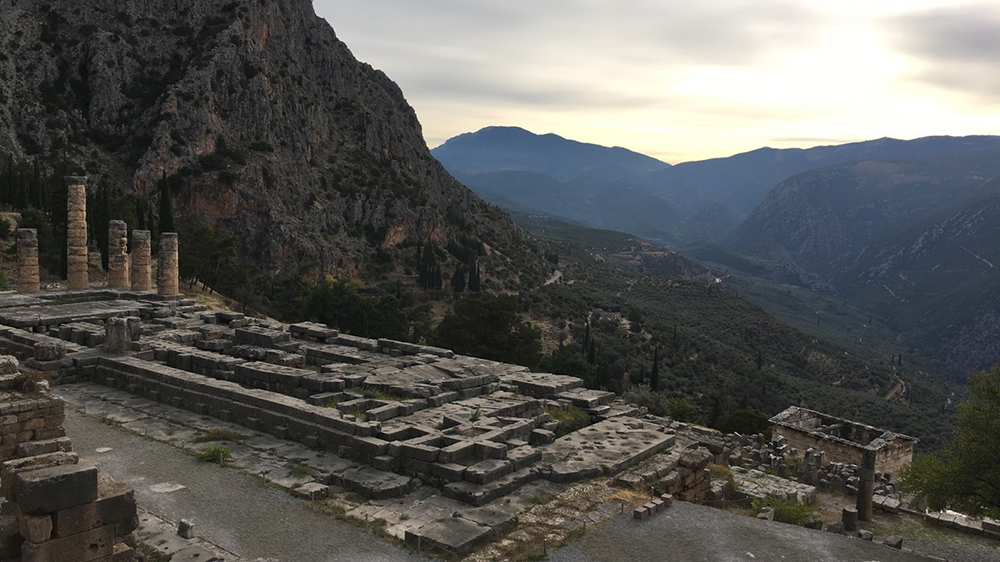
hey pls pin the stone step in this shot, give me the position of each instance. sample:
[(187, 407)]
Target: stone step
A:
[(586, 398), (482, 494)]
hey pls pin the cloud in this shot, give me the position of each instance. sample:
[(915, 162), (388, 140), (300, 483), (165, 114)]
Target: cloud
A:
[(954, 49), (671, 77)]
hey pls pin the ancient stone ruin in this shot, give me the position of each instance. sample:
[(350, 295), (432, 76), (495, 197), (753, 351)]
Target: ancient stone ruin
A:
[(54, 507), (76, 235), (118, 266), (405, 416), (844, 441), (142, 278), (167, 272), (124, 269), (27, 260)]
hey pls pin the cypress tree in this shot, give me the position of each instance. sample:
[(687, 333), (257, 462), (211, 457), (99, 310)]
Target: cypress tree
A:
[(458, 279), (166, 207), (654, 373)]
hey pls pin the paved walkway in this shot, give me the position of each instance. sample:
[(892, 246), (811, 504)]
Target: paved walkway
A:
[(236, 511), (688, 532)]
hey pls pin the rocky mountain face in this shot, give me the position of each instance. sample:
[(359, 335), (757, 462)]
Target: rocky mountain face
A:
[(913, 240), (262, 121)]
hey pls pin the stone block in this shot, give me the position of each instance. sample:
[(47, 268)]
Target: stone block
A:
[(695, 459), (311, 491), (43, 447), (34, 528), (49, 351), (10, 538), (448, 471), (488, 471), (50, 489), (455, 535), (8, 365), (894, 542), (125, 553), (115, 507), (12, 467), (836, 527), (849, 517), (766, 514), (185, 529), (84, 547)]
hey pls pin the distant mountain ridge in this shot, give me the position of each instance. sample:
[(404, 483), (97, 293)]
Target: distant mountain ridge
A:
[(619, 189), (742, 180), (506, 149)]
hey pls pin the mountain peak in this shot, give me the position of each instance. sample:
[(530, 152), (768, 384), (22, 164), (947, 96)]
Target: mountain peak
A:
[(508, 148)]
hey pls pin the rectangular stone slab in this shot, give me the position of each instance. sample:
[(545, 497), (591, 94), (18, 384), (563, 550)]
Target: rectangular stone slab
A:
[(50, 489)]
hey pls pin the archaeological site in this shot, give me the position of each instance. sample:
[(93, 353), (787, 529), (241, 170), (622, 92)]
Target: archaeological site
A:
[(445, 453)]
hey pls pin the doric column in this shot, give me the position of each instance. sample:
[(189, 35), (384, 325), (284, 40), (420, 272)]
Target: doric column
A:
[(142, 278), (118, 273), (76, 234), (27, 260), (166, 275), (866, 484)]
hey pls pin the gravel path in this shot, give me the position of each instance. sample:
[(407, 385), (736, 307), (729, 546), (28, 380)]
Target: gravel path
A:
[(687, 532), (954, 552), (231, 509)]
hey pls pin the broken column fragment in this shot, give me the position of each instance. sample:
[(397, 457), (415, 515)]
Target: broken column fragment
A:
[(27, 260), (118, 266), (166, 276), (76, 234), (142, 278), (119, 333)]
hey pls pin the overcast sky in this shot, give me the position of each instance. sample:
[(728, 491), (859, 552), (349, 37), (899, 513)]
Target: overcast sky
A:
[(687, 79)]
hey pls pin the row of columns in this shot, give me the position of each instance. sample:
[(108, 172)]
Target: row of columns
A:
[(123, 269)]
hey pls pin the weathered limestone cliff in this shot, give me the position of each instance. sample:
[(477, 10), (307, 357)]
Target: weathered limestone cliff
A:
[(263, 121)]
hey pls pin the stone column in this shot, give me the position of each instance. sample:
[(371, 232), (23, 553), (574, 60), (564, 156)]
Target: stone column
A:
[(118, 273), (27, 260), (76, 234), (166, 276), (142, 277), (866, 484)]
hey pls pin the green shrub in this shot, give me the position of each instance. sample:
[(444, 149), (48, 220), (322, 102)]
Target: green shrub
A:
[(215, 453), (785, 510), (654, 402), (681, 409), (570, 419), (220, 434)]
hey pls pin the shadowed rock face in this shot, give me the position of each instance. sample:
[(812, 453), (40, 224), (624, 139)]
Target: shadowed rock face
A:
[(265, 122)]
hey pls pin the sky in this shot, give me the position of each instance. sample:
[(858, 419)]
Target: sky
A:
[(684, 80)]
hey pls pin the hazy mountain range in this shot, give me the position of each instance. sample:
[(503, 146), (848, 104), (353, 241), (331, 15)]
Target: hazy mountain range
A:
[(908, 230), (620, 189)]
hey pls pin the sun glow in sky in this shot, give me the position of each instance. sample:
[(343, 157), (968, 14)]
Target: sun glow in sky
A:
[(682, 80)]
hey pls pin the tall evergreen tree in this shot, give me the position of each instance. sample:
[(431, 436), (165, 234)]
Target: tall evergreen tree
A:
[(166, 206), (654, 373), (475, 284), (458, 279)]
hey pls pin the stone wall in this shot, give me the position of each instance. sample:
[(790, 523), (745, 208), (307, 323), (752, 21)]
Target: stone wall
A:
[(55, 508), (843, 441), (29, 424)]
